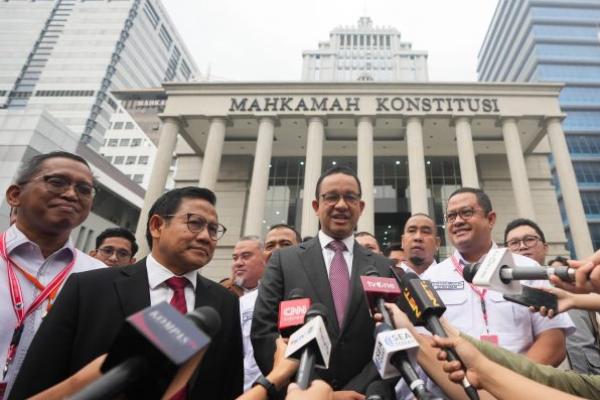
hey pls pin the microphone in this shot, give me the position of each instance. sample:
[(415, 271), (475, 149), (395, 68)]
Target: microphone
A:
[(150, 349), (378, 390), (310, 344), (379, 290), (292, 312), (392, 353), (424, 306)]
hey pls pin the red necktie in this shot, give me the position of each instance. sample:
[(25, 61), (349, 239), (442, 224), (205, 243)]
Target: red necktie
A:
[(178, 284), (339, 280)]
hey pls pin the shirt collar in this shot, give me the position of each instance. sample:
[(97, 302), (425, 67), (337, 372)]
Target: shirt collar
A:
[(158, 274), (325, 239), (408, 268), (462, 261), (15, 239)]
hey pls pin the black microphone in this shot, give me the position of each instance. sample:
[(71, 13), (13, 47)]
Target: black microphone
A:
[(512, 273), (378, 390), (424, 306), (148, 352)]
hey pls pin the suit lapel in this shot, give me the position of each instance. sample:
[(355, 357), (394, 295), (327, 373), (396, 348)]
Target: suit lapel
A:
[(133, 288), (361, 261)]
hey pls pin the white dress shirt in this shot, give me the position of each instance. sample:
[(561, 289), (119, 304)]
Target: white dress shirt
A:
[(159, 291), (328, 254), (251, 370), (28, 255)]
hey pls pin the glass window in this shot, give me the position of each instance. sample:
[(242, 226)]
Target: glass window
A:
[(136, 142), (130, 160), (587, 172), (583, 144), (124, 142), (108, 158), (129, 125), (151, 13), (118, 125), (165, 37), (143, 160), (119, 160), (113, 142), (591, 202), (138, 178)]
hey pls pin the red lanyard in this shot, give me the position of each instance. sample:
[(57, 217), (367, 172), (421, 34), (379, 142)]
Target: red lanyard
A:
[(481, 293), (16, 295)]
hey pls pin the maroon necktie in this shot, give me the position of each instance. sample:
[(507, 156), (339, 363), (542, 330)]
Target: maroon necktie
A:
[(178, 284), (339, 280)]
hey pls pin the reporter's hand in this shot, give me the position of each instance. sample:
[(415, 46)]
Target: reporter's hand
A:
[(283, 368), (587, 275), (400, 318), (318, 390), (566, 301), (472, 359)]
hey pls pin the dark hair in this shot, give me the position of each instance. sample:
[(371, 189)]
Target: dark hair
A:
[(419, 214), (170, 201), (559, 259), (291, 228), (515, 223), (32, 166), (117, 232), (341, 169), (394, 246), (482, 198)]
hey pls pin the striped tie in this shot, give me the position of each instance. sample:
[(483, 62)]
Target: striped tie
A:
[(339, 280)]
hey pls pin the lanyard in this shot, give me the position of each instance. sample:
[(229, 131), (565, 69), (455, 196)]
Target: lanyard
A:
[(16, 295), (480, 292)]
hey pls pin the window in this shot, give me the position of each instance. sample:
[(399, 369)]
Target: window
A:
[(591, 202), (136, 142), (113, 142), (108, 158), (138, 178), (165, 37), (124, 142), (151, 14), (130, 160), (119, 160), (129, 125), (143, 160), (587, 172), (185, 70), (118, 125)]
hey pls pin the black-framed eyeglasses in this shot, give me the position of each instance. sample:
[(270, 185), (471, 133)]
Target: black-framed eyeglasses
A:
[(108, 251), (464, 213), (58, 184), (528, 241), (333, 198), (196, 224)]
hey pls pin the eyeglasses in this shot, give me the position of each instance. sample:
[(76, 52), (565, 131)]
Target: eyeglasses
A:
[(465, 214), (196, 224), (334, 198), (108, 251), (528, 241), (59, 184)]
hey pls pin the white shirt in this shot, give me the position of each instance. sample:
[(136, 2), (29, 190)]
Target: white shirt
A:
[(328, 254), (251, 370), (27, 255), (159, 291)]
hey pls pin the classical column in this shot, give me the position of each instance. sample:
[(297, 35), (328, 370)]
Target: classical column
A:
[(158, 179), (312, 171), (416, 166), (365, 173), (518, 171), (212, 154), (255, 209), (580, 233), (466, 153)]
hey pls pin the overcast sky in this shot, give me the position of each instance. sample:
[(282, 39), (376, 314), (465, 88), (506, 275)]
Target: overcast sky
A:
[(256, 40)]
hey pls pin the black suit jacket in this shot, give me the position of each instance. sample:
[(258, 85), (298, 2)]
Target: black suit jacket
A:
[(89, 313), (302, 266)]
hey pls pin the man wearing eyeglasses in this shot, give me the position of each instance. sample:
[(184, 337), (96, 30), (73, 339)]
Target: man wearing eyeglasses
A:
[(327, 268), (115, 247), (53, 193), (182, 232), (523, 236), (482, 313)]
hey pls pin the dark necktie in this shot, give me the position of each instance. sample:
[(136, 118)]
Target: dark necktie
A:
[(339, 280), (178, 284)]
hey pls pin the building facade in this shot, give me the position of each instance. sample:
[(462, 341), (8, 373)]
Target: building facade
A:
[(66, 56), (262, 146), (556, 41), (366, 53)]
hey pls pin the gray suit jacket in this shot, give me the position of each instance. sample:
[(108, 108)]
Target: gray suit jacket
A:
[(582, 347), (302, 266)]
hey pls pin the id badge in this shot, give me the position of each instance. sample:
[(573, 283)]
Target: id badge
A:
[(489, 338)]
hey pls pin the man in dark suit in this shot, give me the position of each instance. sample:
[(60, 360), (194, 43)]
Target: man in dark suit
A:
[(328, 269), (182, 233)]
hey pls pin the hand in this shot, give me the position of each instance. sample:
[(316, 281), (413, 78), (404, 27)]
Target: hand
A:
[(347, 395), (587, 275), (472, 359), (400, 318), (283, 368), (566, 301), (318, 390)]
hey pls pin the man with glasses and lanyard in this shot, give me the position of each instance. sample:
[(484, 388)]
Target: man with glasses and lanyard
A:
[(54, 194), (481, 313), (115, 247), (182, 232)]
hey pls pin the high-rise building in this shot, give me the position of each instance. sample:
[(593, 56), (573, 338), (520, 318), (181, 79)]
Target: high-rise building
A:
[(66, 56), (364, 52), (555, 41)]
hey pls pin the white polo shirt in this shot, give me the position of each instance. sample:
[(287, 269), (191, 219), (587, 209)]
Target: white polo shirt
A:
[(251, 370)]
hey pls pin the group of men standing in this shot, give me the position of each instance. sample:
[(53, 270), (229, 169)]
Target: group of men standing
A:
[(54, 193)]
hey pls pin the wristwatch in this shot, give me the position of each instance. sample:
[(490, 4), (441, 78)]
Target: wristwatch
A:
[(270, 387)]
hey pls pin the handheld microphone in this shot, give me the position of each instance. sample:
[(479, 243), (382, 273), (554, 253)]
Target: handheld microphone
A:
[(379, 290), (378, 390), (150, 349), (310, 344), (424, 306), (292, 312)]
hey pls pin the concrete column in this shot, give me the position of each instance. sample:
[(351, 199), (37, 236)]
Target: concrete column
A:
[(365, 173), (312, 171), (416, 166), (255, 209), (158, 179), (580, 232), (466, 153), (212, 154), (518, 171)]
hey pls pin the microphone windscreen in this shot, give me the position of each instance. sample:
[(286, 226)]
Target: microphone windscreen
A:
[(207, 319), (469, 271), (378, 390), (316, 310), (408, 276), (371, 271), (296, 293)]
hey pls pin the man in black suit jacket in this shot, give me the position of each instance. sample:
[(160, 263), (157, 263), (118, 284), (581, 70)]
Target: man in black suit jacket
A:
[(308, 266), (182, 232)]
